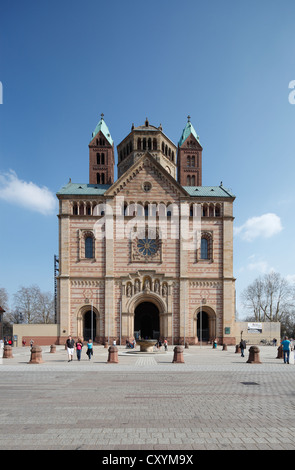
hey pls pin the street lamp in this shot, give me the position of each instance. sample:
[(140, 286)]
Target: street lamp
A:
[(203, 301)]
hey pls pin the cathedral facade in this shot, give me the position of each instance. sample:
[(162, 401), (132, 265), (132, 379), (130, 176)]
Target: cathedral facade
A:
[(149, 255)]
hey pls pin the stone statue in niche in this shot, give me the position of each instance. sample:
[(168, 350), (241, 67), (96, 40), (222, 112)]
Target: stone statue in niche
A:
[(157, 287), (147, 284), (137, 286), (164, 290), (128, 290)]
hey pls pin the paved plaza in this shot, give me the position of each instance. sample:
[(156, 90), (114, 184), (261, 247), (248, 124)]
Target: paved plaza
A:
[(215, 400)]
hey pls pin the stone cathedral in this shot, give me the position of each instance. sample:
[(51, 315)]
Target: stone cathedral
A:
[(149, 255)]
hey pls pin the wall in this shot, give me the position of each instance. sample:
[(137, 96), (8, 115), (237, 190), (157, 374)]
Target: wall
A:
[(270, 330), (41, 334)]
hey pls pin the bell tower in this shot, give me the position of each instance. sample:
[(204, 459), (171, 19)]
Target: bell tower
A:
[(189, 157), (101, 155)]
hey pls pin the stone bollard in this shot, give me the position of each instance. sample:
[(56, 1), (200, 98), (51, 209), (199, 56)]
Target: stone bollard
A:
[(7, 352), (53, 348), (178, 355), (238, 349), (186, 345), (224, 347), (113, 355), (36, 355), (280, 352), (254, 357), (106, 344)]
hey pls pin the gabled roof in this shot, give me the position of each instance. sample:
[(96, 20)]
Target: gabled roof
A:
[(146, 156), (102, 127), (76, 189), (208, 191), (187, 131)]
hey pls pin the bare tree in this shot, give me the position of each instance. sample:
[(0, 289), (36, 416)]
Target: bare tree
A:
[(3, 298), (45, 308), (35, 306), (270, 298)]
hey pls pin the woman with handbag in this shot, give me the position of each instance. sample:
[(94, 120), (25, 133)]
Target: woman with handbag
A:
[(79, 346)]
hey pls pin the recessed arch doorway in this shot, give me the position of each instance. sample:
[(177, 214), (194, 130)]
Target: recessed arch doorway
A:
[(89, 325), (146, 321), (205, 324)]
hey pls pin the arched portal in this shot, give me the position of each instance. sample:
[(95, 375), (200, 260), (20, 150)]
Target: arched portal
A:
[(89, 325), (205, 324), (146, 321)]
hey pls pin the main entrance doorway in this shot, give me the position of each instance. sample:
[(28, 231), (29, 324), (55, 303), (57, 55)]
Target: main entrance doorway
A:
[(146, 321), (203, 326), (89, 330)]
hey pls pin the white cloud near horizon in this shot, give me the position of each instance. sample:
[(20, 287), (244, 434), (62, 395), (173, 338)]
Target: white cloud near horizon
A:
[(26, 194), (264, 226)]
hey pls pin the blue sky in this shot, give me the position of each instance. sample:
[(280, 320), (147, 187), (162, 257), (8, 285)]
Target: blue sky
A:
[(227, 64)]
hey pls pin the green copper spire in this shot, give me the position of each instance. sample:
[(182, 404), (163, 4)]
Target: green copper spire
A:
[(101, 126), (188, 130)]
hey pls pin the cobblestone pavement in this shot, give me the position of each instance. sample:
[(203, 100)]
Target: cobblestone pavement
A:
[(215, 400)]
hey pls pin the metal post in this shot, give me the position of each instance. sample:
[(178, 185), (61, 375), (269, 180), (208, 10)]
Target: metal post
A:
[(120, 322), (172, 324), (201, 326), (92, 322)]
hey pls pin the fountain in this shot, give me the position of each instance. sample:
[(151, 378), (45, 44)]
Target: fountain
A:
[(146, 345)]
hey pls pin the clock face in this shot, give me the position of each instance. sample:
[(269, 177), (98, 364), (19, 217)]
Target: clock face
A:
[(147, 246)]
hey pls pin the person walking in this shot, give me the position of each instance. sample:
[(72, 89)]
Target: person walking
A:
[(89, 351), (286, 349), (70, 348), (242, 347), (79, 346)]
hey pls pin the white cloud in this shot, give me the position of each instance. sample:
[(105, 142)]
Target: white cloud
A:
[(264, 226), (26, 194)]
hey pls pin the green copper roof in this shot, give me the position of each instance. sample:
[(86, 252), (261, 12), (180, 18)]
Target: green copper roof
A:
[(75, 189), (208, 191), (187, 131), (101, 126)]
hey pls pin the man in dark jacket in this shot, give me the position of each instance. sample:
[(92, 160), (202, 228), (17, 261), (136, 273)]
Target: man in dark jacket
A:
[(242, 347), (70, 347)]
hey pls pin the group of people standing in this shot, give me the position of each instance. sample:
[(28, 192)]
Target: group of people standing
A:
[(71, 346)]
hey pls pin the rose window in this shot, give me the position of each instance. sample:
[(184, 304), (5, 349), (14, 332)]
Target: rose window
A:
[(147, 246)]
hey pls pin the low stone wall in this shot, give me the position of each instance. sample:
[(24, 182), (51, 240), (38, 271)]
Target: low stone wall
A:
[(41, 334), (270, 330)]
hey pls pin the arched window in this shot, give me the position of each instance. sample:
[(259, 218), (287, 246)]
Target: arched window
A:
[(204, 248), (193, 160), (193, 182), (188, 180), (98, 158), (102, 158), (139, 143), (188, 161), (154, 144), (98, 178), (88, 247)]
